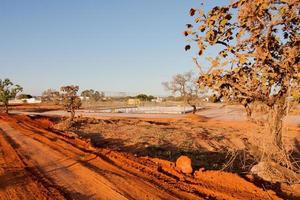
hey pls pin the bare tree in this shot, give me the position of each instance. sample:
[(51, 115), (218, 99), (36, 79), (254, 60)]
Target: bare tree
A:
[(257, 59), (186, 86), (51, 95), (71, 101), (8, 91), (92, 95)]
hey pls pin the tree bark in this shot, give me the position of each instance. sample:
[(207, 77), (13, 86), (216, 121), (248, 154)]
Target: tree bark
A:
[(276, 114), (192, 105), (248, 111), (72, 115), (194, 109), (6, 108)]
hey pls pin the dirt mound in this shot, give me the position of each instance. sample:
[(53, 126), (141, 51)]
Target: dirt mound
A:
[(196, 117), (224, 181)]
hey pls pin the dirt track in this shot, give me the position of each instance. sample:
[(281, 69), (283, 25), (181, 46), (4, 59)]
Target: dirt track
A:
[(76, 171), (16, 182)]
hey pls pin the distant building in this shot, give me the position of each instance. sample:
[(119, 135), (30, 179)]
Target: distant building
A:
[(84, 98), (157, 100), (33, 100), (20, 101), (134, 102), (15, 101)]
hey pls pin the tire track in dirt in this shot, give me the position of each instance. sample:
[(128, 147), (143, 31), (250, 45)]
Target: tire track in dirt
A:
[(98, 163), (76, 177), (103, 173), (16, 179), (67, 173)]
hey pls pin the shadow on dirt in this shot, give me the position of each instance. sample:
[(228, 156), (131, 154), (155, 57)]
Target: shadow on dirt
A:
[(12, 178), (165, 150), (240, 162)]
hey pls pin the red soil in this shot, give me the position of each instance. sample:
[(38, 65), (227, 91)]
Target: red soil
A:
[(103, 173)]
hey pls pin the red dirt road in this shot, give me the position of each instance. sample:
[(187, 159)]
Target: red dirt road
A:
[(67, 168), (15, 180)]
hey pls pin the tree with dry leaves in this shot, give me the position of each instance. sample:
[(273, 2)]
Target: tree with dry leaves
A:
[(8, 91), (92, 95), (257, 60), (185, 85), (70, 99)]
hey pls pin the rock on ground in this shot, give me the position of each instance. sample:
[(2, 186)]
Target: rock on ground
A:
[(184, 164)]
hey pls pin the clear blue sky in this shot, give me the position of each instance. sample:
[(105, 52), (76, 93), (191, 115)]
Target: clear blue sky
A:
[(110, 45)]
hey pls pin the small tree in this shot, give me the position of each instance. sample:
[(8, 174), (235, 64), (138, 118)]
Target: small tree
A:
[(51, 95), (92, 95), (144, 97), (186, 86), (257, 58), (24, 96), (71, 101), (8, 91)]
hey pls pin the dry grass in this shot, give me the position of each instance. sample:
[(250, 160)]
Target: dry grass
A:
[(211, 144)]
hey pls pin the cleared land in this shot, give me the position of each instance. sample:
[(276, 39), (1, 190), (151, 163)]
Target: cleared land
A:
[(129, 158)]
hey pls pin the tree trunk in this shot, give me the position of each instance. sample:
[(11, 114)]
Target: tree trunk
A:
[(72, 115), (6, 108), (192, 105), (275, 120), (274, 160), (248, 111), (194, 109)]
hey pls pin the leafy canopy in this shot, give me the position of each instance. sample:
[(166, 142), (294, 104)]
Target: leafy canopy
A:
[(144, 97), (8, 90), (258, 49), (71, 101)]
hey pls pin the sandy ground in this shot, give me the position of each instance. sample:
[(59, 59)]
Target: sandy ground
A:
[(83, 172), (214, 111)]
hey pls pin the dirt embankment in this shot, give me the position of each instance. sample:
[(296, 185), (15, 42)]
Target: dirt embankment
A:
[(209, 143), (81, 171)]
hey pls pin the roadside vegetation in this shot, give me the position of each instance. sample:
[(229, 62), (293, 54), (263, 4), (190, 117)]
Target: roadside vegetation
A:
[(8, 91), (70, 99)]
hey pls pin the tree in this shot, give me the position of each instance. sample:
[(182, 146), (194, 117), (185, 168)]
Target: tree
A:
[(92, 95), (186, 86), (51, 95), (257, 59), (8, 91), (151, 97), (24, 96), (144, 97), (71, 101)]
